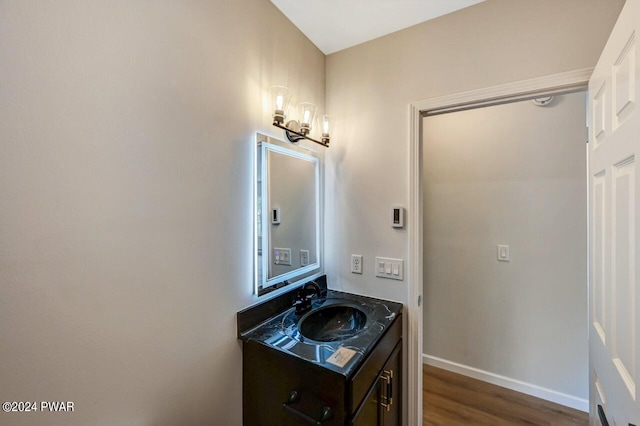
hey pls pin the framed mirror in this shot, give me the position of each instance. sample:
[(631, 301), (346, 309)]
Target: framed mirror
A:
[(287, 214)]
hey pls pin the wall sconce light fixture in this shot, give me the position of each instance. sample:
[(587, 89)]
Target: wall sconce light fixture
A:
[(297, 130)]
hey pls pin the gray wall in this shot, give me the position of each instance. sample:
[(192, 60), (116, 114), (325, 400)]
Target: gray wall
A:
[(511, 174), (126, 141), (125, 207), (370, 86)]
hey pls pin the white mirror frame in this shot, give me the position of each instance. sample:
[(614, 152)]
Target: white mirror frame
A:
[(263, 282)]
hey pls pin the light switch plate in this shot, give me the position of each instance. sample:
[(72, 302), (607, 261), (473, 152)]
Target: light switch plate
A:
[(390, 268), (282, 256), (503, 253)]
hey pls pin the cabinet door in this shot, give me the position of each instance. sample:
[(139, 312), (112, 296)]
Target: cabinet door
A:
[(391, 388), (369, 414), (383, 404)]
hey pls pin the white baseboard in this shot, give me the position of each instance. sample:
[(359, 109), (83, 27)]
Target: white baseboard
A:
[(509, 383)]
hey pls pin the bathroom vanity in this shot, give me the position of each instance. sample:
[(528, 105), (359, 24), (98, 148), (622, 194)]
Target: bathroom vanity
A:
[(331, 359), (339, 363)]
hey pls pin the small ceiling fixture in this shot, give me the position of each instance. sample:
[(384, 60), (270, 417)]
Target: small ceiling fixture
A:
[(297, 130), (544, 101)]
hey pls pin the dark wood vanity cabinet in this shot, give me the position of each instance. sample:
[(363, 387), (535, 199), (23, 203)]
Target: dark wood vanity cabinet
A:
[(280, 389)]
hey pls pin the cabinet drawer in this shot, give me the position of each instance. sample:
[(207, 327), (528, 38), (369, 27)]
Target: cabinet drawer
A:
[(368, 373)]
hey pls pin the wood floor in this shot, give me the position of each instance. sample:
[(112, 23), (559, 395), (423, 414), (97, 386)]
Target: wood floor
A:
[(450, 399)]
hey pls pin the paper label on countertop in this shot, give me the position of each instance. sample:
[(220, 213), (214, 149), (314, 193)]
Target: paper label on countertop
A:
[(341, 356)]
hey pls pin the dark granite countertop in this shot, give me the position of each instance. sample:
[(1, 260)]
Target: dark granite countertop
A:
[(280, 332)]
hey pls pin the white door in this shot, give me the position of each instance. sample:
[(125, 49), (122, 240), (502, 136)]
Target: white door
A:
[(614, 326)]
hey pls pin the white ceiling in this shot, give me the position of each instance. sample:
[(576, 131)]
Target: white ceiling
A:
[(333, 25)]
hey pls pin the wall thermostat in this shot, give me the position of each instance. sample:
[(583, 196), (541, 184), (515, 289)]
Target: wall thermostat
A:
[(275, 216), (397, 217)]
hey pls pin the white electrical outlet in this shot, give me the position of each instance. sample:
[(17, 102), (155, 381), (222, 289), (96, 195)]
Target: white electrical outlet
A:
[(356, 263), (304, 257)]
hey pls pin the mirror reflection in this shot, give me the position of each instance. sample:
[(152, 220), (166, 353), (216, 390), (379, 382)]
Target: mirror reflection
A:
[(287, 214)]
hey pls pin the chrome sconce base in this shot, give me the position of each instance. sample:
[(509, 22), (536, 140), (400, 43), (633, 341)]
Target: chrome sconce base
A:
[(294, 135)]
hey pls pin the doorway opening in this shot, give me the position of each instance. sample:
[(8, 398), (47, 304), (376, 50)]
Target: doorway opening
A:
[(554, 85), (505, 243)]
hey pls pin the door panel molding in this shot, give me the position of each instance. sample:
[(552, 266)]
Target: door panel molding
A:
[(624, 82), (622, 279), (598, 289)]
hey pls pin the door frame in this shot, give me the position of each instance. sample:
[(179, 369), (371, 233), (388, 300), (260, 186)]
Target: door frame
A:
[(562, 82)]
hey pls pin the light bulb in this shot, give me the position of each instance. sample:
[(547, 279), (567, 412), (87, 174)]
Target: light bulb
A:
[(306, 112), (280, 98), (327, 127)]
